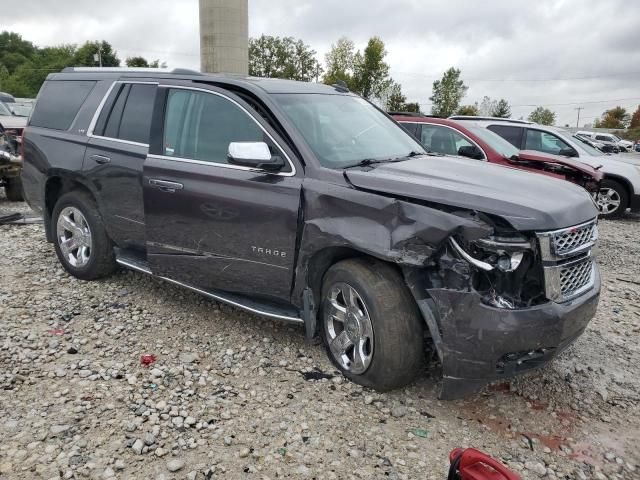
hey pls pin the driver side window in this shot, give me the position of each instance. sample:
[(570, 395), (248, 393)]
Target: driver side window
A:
[(545, 142), (200, 126), (443, 140)]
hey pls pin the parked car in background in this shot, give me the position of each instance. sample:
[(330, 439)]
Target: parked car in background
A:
[(20, 109), (612, 143), (11, 127), (7, 98), (304, 203), (448, 137), (602, 146), (620, 188)]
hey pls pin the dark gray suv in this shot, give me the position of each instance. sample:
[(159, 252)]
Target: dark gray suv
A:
[(305, 203)]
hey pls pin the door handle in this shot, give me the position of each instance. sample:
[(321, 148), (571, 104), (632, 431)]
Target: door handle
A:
[(101, 159), (165, 186)]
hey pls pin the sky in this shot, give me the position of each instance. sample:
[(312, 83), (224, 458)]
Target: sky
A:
[(561, 54)]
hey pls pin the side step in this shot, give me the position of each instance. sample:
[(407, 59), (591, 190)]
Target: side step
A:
[(136, 261)]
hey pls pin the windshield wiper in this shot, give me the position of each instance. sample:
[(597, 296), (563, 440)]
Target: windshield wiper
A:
[(371, 161)]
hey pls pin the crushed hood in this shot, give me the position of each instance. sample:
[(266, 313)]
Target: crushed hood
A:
[(528, 201)]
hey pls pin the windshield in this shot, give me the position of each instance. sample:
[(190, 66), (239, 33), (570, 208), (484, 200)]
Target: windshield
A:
[(495, 141), (21, 110), (4, 110), (343, 130)]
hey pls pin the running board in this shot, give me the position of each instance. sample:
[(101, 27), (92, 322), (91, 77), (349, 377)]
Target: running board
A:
[(137, 262)]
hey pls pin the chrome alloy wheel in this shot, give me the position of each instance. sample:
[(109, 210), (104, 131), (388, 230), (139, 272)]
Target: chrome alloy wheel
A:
[(349, 329), (74, 236), (608, 201)]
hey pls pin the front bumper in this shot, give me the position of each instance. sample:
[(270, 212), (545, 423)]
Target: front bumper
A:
[(479, 344), (634, 203)]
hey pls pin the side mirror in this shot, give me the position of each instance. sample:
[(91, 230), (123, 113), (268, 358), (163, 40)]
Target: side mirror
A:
[(568, 152), (471, 151), (254, 155)]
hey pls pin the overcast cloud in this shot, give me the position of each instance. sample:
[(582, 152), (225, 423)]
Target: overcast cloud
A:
[(514, 49)]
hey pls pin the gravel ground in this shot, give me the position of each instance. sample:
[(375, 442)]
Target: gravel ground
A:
[(231, 395)]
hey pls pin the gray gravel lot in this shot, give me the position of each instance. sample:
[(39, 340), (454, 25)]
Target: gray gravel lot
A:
[(231, 395)]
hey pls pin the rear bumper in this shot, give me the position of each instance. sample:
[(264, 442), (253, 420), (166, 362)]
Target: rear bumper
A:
[(480, 344)]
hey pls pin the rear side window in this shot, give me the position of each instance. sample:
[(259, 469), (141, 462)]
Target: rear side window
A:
[(513, 135), (59, 102), (127, 113), (413, 128)]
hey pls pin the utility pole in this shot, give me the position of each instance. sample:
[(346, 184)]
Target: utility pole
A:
[(578, 121), (98, 56)]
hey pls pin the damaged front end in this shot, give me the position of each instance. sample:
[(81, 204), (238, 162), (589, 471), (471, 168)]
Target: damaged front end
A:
[(506, 303)]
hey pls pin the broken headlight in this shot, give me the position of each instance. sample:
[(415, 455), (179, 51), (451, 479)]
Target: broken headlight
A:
[(505, 271), (496, 252)]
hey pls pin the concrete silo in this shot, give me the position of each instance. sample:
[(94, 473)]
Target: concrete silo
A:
[(224, 36)]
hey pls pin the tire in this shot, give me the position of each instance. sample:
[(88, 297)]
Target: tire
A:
[(394, 348), (610, 192), (13, 189), (94, 256)]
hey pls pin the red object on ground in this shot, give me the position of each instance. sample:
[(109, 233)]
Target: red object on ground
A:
[(472, 464), (147, 360), (57, 331)]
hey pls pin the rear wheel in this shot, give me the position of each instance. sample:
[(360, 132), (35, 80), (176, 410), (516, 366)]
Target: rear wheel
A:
[(81, 241), (13, 189), (612, 199), (371, 325)]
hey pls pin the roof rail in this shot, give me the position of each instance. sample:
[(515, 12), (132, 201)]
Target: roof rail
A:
[(499, 119), (175, 71)]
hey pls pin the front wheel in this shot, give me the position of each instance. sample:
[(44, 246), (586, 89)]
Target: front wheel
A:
[(371, 325), (612, 199)]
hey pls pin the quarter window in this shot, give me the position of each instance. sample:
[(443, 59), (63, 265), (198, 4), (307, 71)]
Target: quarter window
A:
[(200, 126), (59, 102)]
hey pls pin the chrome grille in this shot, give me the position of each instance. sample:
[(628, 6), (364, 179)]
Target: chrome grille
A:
[(572, 239), (569, 270), (575, 277)]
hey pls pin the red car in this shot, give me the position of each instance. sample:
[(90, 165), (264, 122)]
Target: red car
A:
[(448, 137)]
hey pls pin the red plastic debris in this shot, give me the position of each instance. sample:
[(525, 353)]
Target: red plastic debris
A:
[(56, 331), (147, 360), (472, 464)]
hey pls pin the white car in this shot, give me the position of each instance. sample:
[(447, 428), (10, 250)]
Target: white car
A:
[(624, 145), (620, 188)]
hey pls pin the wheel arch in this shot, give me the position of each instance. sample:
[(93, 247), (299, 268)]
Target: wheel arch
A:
[(621, 180), (58, 184)]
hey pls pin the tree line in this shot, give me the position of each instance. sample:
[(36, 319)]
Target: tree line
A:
[(24, 67)]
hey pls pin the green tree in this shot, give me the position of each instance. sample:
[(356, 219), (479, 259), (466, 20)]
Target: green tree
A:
[(616, 117), (502, 110), (14, 51), (447, 93), (543, 116), (139, 62), (413, 107), (84, 56), (282, 57), (340, 61), (471, 110), (371, 73), (635, 119), (395, 99)]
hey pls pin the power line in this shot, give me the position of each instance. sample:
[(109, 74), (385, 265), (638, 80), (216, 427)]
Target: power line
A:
[(556, 79)]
